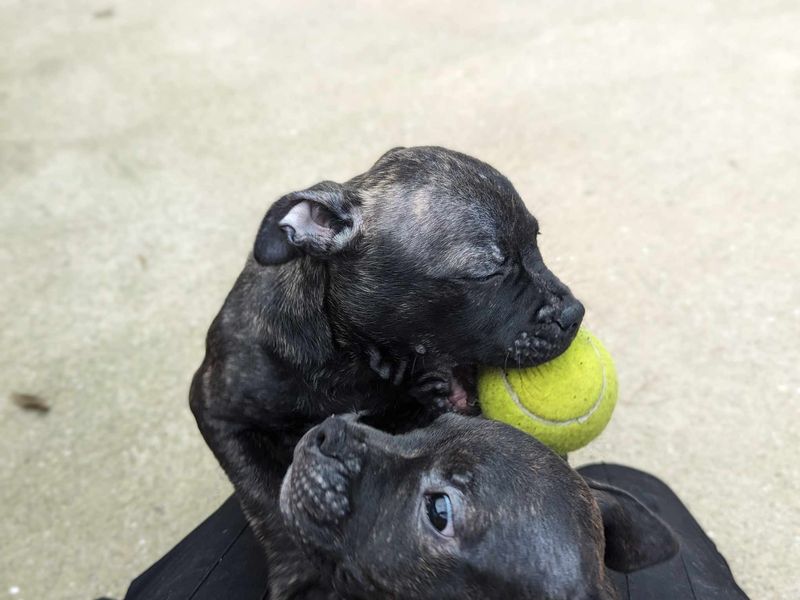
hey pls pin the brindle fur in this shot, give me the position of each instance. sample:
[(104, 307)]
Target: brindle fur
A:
[(525, 525), (403, 279)]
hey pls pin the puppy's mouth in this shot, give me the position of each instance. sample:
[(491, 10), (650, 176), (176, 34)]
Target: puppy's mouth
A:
[(463, 397), (528, 350)]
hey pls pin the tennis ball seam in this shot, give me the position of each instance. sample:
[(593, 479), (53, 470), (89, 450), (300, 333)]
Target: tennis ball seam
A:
[(580, 418)]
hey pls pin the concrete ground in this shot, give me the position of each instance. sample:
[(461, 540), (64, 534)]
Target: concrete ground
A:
[(141, 142)]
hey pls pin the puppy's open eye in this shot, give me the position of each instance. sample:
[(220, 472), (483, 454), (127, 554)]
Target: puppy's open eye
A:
[(440, 513)]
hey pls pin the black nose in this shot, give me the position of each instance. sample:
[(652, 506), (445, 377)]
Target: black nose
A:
[(331, 437), (571, 315)]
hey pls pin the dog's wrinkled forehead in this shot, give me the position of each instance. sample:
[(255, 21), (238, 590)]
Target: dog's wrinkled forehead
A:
[(436, 202)]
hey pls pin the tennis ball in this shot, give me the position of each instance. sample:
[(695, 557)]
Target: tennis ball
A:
[(564, 403)]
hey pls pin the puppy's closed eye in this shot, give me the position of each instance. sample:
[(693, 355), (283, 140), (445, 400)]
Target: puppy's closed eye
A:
[(487, 276), (486, 270)]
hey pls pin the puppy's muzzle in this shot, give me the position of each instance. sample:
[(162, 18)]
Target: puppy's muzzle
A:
[(552, 330), (316, 488)]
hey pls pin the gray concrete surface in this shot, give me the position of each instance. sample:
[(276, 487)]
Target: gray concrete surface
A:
[(140, 143)]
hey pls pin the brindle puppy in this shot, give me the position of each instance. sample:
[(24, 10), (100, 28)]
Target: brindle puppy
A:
[(465, 509), (380, 294)]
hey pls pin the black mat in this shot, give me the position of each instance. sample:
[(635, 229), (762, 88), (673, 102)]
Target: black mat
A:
[(698, 571), (221, 559)]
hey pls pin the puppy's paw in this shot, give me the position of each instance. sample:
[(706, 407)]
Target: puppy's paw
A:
[(432, 389), (387, 368)]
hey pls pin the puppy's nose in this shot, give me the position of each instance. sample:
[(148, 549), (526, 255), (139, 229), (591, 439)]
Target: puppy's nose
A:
[(571, 314), (331, 437)]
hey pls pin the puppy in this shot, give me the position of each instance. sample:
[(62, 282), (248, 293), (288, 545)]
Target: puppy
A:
[(381, 294), (463, 509)]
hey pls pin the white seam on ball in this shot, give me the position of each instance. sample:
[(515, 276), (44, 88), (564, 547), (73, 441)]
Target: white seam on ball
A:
[(579, 419)]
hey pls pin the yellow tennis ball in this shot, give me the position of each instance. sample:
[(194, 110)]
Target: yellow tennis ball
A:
[(564, 403)]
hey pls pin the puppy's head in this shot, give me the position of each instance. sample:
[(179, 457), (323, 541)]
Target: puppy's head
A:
[(465, 508), (433, 253)]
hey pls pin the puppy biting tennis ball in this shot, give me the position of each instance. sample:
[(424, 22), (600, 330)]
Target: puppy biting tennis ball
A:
[(564, 403)]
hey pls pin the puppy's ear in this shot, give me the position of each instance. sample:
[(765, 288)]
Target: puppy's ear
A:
[(635, 537), (319, 221)]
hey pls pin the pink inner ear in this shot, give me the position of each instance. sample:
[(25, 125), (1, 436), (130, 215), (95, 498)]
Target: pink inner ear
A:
[(301, 218), (320, 215)]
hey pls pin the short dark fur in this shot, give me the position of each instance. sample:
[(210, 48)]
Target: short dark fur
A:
[(382, 295), (525, 525)]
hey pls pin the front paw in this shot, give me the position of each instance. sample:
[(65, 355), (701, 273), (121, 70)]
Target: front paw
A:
[(386, 367), (432, 389)]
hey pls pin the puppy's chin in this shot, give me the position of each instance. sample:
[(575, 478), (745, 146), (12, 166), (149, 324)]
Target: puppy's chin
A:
[(541, 344), (463, 396)]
